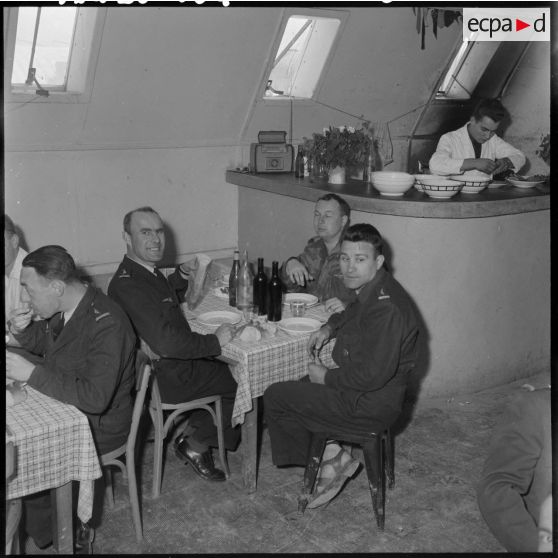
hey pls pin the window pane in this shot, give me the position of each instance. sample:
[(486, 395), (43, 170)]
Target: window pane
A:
[(24, 40)]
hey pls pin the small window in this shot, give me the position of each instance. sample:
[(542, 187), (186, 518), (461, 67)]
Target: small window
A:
[(300, 59), (466, 69), (50, 52)]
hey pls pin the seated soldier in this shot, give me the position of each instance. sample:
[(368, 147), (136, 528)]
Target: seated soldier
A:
[(375, 350), (316, 270), (88, 349), (187, 369)]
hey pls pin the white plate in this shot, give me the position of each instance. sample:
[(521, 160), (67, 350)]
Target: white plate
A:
[(497, 184), (524, 183), (219, 317), (310, 299), (299, 326), (218, 292)]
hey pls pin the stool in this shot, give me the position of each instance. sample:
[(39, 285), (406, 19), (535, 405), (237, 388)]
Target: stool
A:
[(378, 453)]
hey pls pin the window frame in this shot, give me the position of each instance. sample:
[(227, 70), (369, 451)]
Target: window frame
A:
[(340, 14), (82, 64)]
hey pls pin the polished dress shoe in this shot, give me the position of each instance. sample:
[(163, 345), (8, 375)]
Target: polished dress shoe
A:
[(202, 463)]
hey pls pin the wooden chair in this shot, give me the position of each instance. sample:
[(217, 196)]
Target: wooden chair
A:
[(13, 507), (378, 459), (143, 373), (157, 408)]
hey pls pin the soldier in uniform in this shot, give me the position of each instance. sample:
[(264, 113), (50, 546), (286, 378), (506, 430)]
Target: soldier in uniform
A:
[(316, 270), (88, 349), (375, 350), (187, 369)]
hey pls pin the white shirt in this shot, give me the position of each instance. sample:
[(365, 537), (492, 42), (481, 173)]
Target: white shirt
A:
[(12, 287), (454, 147)]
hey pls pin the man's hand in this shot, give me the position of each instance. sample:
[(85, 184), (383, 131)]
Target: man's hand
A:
[(317, 373), (20, 318), (485, 165), (17, 367), (502, 165), (333, 305), (317, 340), (297, 272), (224, 333)]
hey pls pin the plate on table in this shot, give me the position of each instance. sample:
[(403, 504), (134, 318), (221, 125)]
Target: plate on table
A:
[(524, 183), (309, 299), (299, 326), (497, 184), (221, 292), (218, 317)]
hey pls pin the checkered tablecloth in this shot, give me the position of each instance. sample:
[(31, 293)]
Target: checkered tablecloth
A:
[(265, 362), (54, 446)]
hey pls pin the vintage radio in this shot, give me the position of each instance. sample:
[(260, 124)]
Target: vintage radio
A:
[(272, 153)]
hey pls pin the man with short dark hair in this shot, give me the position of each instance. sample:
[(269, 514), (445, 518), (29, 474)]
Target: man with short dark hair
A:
[(316, 270), (475, 148), (13, 256), (188, 368), (375, 350), (88, 350)]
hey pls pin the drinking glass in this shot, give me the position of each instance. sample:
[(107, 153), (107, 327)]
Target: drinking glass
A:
[(298, 308), (249, 312)]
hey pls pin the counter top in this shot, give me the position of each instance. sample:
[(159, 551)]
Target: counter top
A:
[(505, 200)]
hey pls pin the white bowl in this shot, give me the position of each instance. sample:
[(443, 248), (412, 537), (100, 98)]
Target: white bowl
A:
[(443, 189), (392, 183), (524, 183), (432, 178)]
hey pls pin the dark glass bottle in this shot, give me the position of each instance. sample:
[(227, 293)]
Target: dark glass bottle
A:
[(275, 295), (233, 279), (299, 163), (260, 289)]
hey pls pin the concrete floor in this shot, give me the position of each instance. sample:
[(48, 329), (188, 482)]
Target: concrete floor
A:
[(432, 508)]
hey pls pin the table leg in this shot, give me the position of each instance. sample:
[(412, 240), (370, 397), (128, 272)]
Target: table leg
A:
[(62, 521), (250, 447)]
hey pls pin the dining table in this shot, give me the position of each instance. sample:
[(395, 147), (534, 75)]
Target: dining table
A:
[(53, 447), (255, 365)]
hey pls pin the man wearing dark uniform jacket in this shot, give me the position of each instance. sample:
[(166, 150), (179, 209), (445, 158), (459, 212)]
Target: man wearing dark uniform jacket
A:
[(187, 369), (88, 350), (375, 350)]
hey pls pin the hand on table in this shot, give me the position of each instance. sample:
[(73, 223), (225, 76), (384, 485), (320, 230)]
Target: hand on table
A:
[(297, 272), (20, 318), (17, 367), (224, 333), (333, 305), (317, 340)]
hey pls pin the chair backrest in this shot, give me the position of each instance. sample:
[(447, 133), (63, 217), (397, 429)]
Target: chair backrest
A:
[(155, 400)]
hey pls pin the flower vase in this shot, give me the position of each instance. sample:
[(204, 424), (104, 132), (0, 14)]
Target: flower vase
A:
[(336, 175)]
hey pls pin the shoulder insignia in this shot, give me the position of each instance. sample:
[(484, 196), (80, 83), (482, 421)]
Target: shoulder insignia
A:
[(101, 316), (383, 295), (124, 274), (168, 299)]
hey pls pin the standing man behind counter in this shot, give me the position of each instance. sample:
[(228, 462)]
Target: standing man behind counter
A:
[(476, 147), (316, 270)]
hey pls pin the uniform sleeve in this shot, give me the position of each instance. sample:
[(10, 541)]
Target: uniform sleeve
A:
[(371, 359), (444, 160), (33, 338), (89, 381), (161, 324), (507, 475), (503, 149)]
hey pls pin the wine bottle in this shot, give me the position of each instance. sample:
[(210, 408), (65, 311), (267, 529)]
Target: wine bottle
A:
[(275, 295), (233, 279), (299, 163), (244, 294), (260, 289)]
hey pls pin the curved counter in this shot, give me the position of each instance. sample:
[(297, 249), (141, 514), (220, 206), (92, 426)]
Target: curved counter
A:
[(477, 267)]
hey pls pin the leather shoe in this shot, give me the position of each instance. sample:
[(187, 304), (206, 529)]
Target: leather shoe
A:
[(202, 463), (85, 536)]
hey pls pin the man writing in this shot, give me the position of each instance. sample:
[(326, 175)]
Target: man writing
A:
[(316, 270), (374, 352), (88, 350), (187, 369), (476, 147)]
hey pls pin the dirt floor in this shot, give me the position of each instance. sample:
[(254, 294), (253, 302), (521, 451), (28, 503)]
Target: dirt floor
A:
[(432, 508)]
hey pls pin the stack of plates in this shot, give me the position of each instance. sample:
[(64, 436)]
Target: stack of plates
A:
[(392, 183)]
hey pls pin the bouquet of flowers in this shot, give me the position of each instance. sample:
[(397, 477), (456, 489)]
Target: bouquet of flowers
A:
[(341, 147)]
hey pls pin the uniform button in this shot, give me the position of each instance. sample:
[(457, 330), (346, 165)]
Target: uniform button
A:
[(345, 352)]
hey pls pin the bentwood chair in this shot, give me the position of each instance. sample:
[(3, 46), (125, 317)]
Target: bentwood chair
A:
[(162, 426), (378, 451), (143, 373)]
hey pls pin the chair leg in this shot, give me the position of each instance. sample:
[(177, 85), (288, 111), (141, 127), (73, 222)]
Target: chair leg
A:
[(133, 492), (221, 438), (315, 452), (157, 419), (390, 458), (109, 490), (374, 460)]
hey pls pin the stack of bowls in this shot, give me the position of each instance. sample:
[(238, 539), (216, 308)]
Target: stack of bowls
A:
[(391, 183), (439, 187), (473, 184)]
